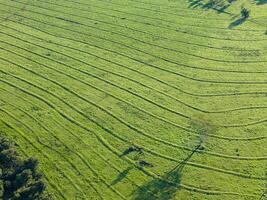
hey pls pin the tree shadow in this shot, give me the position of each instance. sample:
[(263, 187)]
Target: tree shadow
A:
[(165, 187), (218, 5), (260, 2), (132, 149), (121, 176), (237, 22)]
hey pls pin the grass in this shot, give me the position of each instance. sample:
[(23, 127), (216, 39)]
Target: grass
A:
[(82, 81)]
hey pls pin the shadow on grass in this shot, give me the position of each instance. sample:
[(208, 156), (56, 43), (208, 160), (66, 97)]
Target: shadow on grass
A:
[(132, 149), (218, 5), (237, 22), (121, 176), (261, 2), (165, 187)]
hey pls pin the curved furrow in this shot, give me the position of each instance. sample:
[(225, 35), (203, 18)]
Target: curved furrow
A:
[(120, 75), (238, 125), (13, 117), (45, 155), (12, 14), (142, 16), (111, 132), (74, 166), (159, 140), (246, 93), (160, 37), (141, 41), (251, 20), (79, 155), (88, 180), (246, 124), (161, 106), (144, 74), (190, 33), (160, 118), (170, 13), (170, 71), (142, 110), (50, 183), (165, 38), (112, 149), (55, 150), (104, 159), (190, 163), (175, 160), (77, 137), (231, 15)]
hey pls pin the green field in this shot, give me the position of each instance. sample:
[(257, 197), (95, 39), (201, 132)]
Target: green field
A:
[(138, 99)]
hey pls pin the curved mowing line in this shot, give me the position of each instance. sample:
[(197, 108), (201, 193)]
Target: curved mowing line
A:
[(221, 125), (160, 118), (103, 142), (160, 37), (53, 186), (147, 33), (121, 76), (246, 124), (149, 76), (100, 154), (192, 25), (85, 162), (42, 151), (159, 140), (108, 186), (209, 192), (141, 41), (67, 89), (106, 129), (12, 14), (177, 30), (77, 137), (51, 148), (45, 155), (113, 150), (52, 16), (252, 20), (142, 16), (166, 60), (168, 12), (169, 71), (88, 180)]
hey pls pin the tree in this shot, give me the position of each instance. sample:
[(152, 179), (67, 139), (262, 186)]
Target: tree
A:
[(19, 179), (245, 13)]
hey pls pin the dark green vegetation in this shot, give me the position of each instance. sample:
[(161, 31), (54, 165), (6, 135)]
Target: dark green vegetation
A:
[(138, 99), (19, 179)]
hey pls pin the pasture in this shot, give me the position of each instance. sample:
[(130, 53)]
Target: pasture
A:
[(138, 99)]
